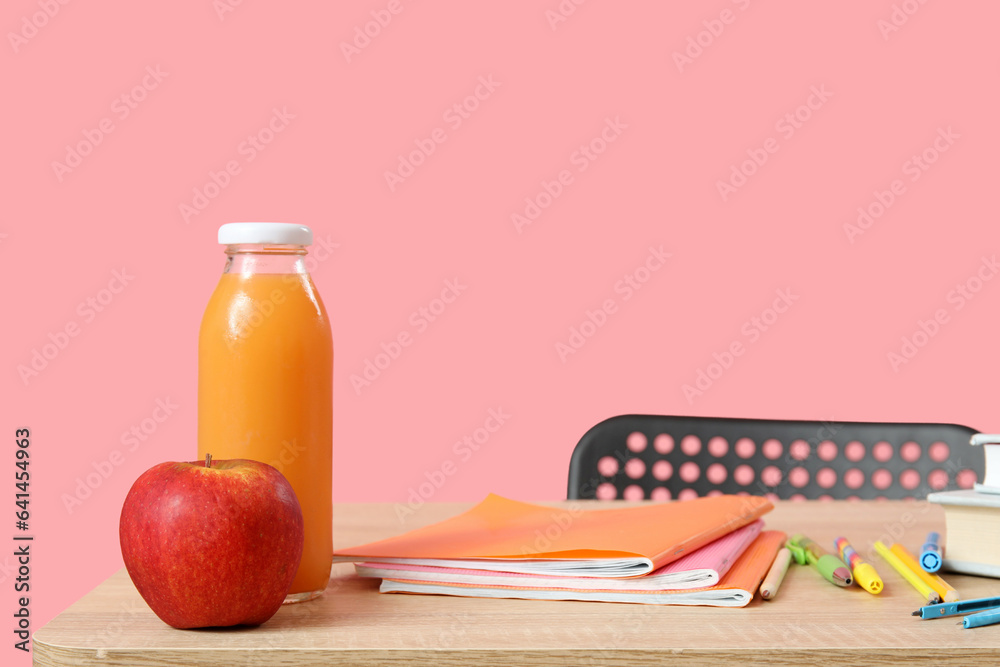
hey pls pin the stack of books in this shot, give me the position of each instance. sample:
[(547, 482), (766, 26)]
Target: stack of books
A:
[(708, 551), (972, 518)]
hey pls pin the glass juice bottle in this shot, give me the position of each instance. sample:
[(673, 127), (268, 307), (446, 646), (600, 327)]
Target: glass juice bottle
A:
[(265, 366)]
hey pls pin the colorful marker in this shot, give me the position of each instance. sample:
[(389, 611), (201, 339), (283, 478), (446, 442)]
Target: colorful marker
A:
[(863, 572), (930, 553), (830, 567)]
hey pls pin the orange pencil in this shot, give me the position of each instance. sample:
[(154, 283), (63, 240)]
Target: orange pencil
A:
[(940, 586)]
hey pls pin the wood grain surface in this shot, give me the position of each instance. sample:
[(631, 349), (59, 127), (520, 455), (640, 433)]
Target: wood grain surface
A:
[(810, 622)]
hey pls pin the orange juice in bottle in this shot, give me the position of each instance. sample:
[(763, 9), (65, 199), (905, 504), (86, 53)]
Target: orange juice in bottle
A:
[(265, 366)]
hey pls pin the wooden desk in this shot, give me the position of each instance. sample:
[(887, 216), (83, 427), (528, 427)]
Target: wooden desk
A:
[(810, 622)]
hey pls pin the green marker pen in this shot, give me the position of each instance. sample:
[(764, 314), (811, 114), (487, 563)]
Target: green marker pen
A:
[(832, 568)]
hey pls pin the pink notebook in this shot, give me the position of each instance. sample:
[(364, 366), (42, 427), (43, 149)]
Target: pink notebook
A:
[(700, 568)]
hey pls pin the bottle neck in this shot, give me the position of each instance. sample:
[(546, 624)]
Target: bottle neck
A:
[(247, 258)]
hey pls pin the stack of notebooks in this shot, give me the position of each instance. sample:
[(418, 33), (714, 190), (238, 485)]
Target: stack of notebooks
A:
[(708, 551), (972, 518)]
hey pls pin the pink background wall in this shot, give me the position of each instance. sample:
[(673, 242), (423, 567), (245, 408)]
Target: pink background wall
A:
[(835, 103)]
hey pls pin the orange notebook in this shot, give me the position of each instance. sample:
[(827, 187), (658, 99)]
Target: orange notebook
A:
[(510, 536), (735, 590)]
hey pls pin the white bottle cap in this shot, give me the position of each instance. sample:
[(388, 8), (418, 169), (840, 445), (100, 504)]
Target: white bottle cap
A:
[(265, 233)]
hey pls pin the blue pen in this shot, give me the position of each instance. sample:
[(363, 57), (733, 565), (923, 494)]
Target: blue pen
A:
[(956, 608), (930, 553), (988, 617)]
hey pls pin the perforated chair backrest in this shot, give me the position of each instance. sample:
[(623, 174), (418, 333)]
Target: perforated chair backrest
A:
[(662, 457)]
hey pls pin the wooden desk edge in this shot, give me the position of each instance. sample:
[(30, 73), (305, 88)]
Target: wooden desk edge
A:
[(55, 656)]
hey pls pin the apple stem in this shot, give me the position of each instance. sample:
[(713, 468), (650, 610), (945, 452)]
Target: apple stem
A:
[(208, 460)]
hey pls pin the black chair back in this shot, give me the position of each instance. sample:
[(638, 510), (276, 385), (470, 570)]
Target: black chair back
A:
[(661, 457)]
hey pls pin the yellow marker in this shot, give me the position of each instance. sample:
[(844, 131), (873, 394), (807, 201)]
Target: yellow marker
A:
[(947, 593), (899, 566), (863, 572)]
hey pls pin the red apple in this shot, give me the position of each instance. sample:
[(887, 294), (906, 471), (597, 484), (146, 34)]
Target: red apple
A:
[(212, 543)]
